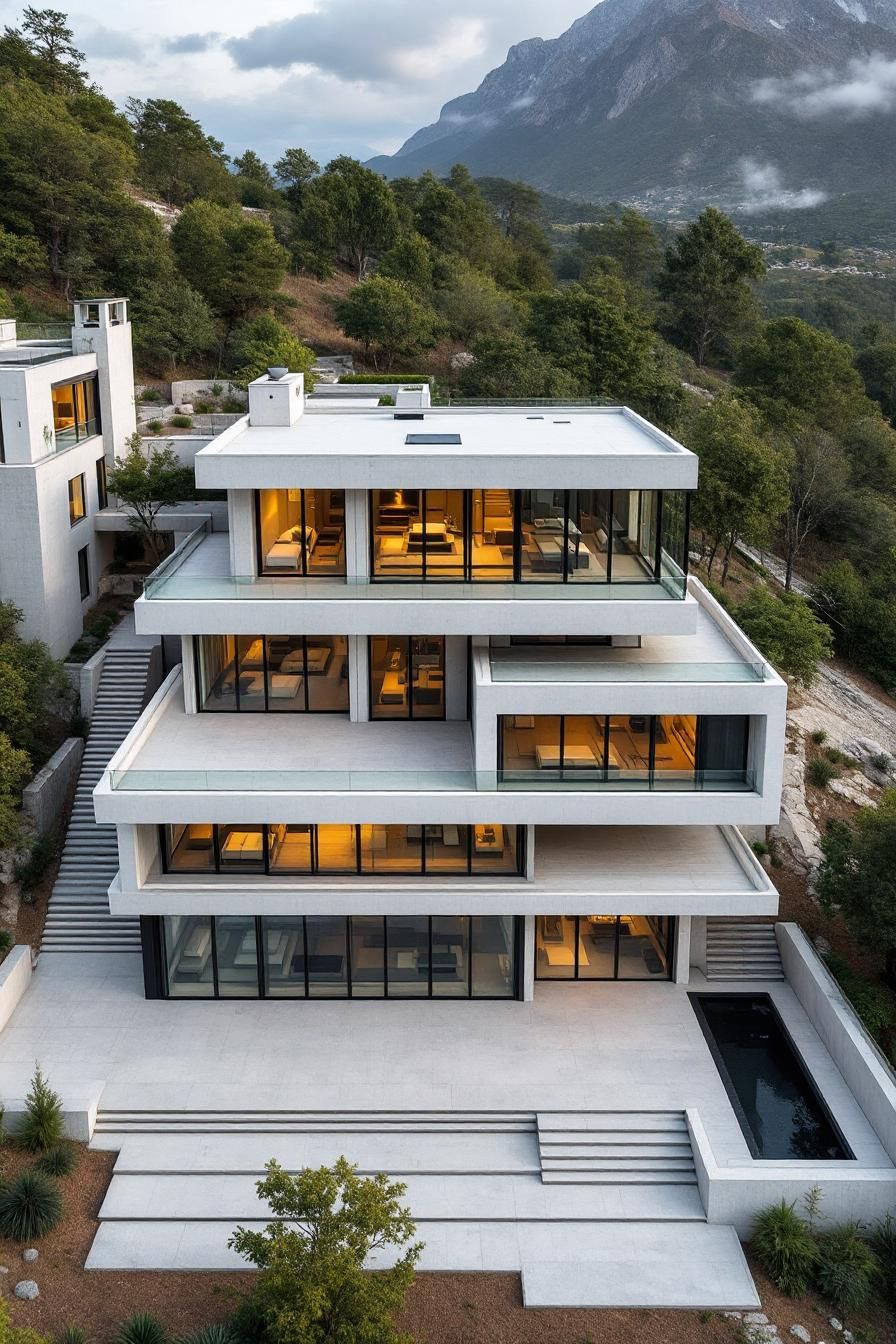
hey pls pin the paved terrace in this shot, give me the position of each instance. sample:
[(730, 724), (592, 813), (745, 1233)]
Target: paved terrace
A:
[(623, 1046)]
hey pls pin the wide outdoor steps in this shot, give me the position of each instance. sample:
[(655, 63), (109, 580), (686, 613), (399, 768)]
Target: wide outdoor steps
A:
[(78, 918), (742, 951), (613, 1147), (475, 1185)]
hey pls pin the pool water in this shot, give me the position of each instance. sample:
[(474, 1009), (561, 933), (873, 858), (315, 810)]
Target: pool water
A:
[(779, 1109)]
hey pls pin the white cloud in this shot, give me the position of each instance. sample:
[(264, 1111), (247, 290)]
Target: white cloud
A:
[(764, 189), (864, 88)]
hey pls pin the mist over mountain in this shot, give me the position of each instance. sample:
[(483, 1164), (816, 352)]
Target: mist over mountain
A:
[(757, 105)]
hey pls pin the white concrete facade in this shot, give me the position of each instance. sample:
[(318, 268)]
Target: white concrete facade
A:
[(644, 653), (42, 551)]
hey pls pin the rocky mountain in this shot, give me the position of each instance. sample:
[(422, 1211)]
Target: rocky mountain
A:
[(754, 104)]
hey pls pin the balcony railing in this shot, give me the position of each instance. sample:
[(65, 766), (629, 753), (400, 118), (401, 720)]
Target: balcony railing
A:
[(606, 665), (573, 780)]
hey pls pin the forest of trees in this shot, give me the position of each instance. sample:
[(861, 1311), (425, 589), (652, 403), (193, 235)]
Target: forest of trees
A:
[(790, 408)]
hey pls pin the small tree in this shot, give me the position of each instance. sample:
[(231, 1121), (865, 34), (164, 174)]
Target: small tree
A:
[(148, 484), (42, 1124), (819, 477), (263, 343), (15, 767), (506, 364), (785, 629), (858, 875), (312, 1288), (385, 316)]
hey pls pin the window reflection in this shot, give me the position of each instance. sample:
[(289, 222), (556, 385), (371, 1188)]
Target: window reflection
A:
[(75, 415), (603, 947), (301, 532), (275, 673), (407, 676), (188, 955)]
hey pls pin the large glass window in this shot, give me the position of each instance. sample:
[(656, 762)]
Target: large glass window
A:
[(301, 532), (530, 536), (77, 500), (274, 673), (75, 411), (84, 572), (335, 956), (671, 751), (281, 849), (603, 947), (102, 488), (407, 676)]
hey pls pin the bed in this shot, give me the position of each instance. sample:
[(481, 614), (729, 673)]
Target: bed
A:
[(286, 552), (394, 689), (436, 535), (576, 757)]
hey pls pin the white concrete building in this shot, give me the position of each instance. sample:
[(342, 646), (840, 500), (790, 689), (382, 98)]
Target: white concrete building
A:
[(451, 719), (66, 409)]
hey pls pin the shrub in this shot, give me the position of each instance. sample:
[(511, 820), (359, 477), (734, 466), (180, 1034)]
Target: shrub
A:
[(30, 1206), (60, 1160), (211, 1334), (182, 421), (845, 1267), (42, 1125), (155, 426), (835, 756), (72, 1334), (216, 389), (785, 1248), (203, 407), (872, 1002), (41, 853), (760, 849), (820, 772), (150, 394), (882, 761), (883, 1243), (141, 1328), (5, 941), (233, 406), (819, 737)]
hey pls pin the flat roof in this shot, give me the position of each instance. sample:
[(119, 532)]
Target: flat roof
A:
[(365, 447)]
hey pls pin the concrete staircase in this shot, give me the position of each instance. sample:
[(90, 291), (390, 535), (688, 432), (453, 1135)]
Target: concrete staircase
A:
[(742, 951), (78, 918), (615, 1148), (480, 1186)]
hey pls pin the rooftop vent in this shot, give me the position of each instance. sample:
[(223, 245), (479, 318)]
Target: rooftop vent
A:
[(409, 415), (422, 439)]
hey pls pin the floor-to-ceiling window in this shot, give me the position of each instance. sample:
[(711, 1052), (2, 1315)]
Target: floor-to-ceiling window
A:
[(284, 849), (338, 956), (603, 947), (530, 536), (650, 751), (407, 676), (75, 411), (301, 532), (276, 674)]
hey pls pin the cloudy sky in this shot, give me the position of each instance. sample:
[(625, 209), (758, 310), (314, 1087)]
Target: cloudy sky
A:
[(335, 76)]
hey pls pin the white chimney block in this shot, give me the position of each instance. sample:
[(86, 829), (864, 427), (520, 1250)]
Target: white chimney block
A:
[(409, 395), (277, 401)]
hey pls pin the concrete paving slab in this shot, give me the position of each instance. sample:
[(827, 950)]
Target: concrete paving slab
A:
[(640, 1265)]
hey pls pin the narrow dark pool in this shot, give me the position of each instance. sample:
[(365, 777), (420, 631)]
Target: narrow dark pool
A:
[(779, 1109)]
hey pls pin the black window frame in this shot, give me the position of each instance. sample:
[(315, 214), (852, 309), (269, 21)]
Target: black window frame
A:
[(102, 483), (82, 430), (410, 716), (72, 521), (84, 572), (304, 573), (315, 871), (615, 978), (156, 964), (266, 707)]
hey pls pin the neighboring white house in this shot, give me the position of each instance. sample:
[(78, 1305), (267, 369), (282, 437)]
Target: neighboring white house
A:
[(451, 719), (66, 409)]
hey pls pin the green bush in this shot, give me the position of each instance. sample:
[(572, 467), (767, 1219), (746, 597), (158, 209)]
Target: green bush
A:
[(60, 1160), (41, 853), (150, 394), (72, 1334), (42, 1126), (141, 1328), (203, 407), (820, 772), (6, 941), (872, 1002), (182, 421), (30, 1206), (211, 1334), (882, 761), (835, 756), (883, 1243), (760, 848), (819, 737), (233, 406), (155, 426), (386, 378), (785, 1248), (846, 1267)]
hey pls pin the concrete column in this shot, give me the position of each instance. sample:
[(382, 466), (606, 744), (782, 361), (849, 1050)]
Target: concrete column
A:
[(240, 508), (357, 552), (530, 853), (698, 942), (358, 679), (188, 664), (528, 970), (683, 951), (455, 677)]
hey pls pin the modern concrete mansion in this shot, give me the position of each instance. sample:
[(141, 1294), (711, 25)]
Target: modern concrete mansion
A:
[(451, 720)]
